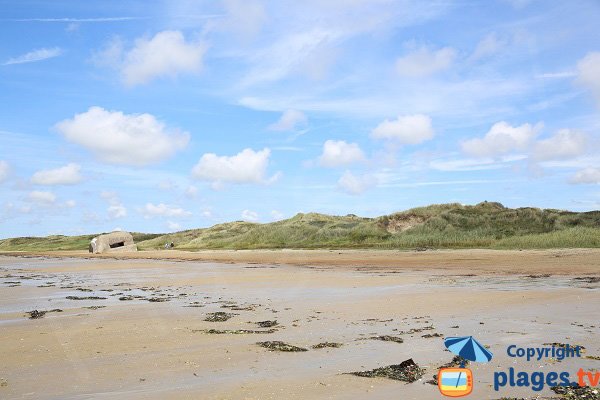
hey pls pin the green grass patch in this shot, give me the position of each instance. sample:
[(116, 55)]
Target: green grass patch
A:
[(485, 225)]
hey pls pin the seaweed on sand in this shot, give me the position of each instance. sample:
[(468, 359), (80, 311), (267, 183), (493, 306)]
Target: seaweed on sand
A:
[(35, 314), (407, 371), (85, 298), (388, 338), (280, 346), (432, 335), (327, 344), (416, 330), (218, 316), (267, 324), (577, 392), (232, 331)]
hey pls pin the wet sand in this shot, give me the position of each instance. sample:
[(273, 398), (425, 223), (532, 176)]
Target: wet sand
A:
[(135, 348), (555, 261)]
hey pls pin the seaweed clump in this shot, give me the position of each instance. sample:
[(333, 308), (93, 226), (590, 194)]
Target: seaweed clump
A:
[(35, 314), (232, 331), (577, 392), (388, 338), (267, 324), (280, 346), (85, 298), (327, 344), (218, 316), (407, 371)]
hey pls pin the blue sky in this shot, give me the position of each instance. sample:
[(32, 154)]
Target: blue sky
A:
[(157, 116)]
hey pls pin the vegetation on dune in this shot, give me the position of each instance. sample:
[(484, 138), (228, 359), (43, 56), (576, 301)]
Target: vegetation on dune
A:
[(485, 225), (59, 242)]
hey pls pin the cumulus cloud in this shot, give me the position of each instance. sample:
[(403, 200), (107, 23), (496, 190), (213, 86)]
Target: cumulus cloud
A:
[(4, 170), (67, 175), (164, 210), (355, 184), (588, 70), (288, 121), (408, 129), (115, 209), (502, 138), (35, 55), (424, 62), (248, 215), (41, 197), (248, 166), (338, 153), (117, 138), (586, 176), (165, 54), (564, 144)]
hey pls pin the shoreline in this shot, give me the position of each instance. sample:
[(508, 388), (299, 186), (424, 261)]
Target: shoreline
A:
[(547, 261)]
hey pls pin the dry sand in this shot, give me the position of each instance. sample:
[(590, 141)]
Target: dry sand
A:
[(137, 349)]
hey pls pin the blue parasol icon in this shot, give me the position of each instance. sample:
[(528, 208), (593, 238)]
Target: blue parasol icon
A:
[(468, 348)]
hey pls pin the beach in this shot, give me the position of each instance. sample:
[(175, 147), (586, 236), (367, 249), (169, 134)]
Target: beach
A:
[(134, 325)]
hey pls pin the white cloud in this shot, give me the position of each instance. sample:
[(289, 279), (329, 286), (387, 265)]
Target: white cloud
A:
[(564, 144), (117, 138), (248, 166), (408, 129), (288, 121), (67, 175), (355, 184), (502, 138), (248, 215), (4, 170), (70, 203), (288, 55), (277, 215), (588, 69), (99, 19), (586, 176), (115, 209), (35, 55), (474, 164), (42, 197), (424, 62), (164, 210), (338, 153), (165, 54)]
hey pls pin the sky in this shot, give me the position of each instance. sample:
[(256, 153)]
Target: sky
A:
[(158, 116)]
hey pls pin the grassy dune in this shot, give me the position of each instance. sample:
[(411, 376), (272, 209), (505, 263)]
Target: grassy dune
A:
[(485, 225)]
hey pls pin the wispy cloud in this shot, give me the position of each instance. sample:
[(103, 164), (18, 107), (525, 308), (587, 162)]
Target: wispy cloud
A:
[(100, 19), (34, 56)]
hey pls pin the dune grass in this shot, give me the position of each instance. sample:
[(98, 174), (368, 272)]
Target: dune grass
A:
[(485, 225)]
